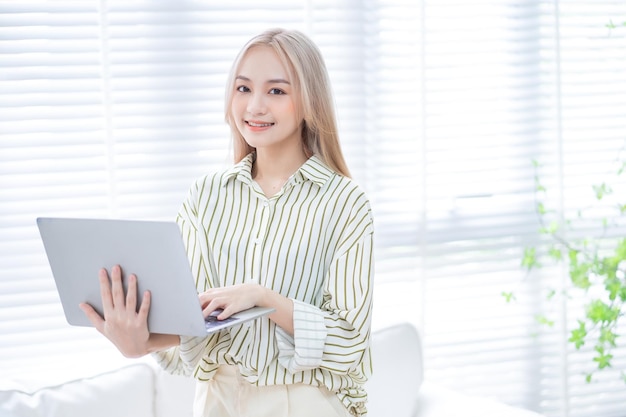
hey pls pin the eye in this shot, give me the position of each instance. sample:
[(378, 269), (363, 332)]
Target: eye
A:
[(243, 89), (276, 91)]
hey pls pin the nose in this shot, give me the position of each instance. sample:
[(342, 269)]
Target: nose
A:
[(256, 103)]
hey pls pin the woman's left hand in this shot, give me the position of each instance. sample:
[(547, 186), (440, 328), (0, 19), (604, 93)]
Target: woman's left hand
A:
[(236, 298), (232, 299)]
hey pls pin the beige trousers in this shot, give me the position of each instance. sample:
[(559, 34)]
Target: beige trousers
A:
[(229, 395)]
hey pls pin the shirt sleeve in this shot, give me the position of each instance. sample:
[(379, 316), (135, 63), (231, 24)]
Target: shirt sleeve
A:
[(336, 335), (182, 359), (309, 332)]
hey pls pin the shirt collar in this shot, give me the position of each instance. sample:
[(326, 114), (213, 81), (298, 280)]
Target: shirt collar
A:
[(313, 170), (241, 170)]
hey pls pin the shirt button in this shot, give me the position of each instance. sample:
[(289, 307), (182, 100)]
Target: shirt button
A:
[(266, 203)]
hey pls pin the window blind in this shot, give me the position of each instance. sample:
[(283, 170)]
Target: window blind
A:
[(584, 59), (482, 125), (507, 82), (112, 109)]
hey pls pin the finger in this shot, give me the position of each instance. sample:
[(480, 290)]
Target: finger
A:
[(215, 304), (226, 313), (144, 309), (205, 298), (117, 289), (105, 291), (93, 316), (131, 295)]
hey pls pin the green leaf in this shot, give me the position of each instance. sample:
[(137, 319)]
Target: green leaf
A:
[(555, 253), (613, 286), (543, 320), (553, 228), (508, 296), (607, 336), (539, 188), (578, 272), (601, 190), (578, 335), (600, 312), (603, 358), (541, 209), (550, 294), (620, 251), (529, 260), (588, 378)]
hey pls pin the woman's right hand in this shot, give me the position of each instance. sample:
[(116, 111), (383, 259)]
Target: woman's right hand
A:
[(122, 324)]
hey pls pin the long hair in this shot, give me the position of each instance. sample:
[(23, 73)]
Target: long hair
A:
[(308, 73)]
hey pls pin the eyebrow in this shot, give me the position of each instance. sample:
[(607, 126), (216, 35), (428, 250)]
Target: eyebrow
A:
[(272, 81)]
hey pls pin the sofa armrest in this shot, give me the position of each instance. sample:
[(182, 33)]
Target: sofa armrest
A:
[(127, 391)]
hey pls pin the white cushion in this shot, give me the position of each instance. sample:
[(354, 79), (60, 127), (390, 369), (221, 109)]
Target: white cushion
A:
[(174, 394), (398, 372), (438, 401), (127, 391)]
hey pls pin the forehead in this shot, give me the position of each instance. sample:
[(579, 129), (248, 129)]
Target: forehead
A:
[(262, 63)]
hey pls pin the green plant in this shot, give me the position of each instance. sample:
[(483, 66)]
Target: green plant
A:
[(594, 255), (612, 25), (594, 252)]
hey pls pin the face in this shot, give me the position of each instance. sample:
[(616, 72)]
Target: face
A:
[(264, 103)]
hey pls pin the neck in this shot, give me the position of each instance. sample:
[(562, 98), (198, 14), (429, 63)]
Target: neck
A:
[(272, 166), (271, 171)]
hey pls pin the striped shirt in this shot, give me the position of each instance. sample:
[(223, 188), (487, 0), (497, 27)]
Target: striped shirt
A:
[(311, 242)]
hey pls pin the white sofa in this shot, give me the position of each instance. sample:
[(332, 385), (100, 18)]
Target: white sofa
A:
[(142, 390)]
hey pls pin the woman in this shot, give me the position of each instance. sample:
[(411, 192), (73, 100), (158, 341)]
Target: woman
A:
[(286, 228)]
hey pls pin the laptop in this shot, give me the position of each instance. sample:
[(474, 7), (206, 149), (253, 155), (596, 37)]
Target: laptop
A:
[(152, 250)]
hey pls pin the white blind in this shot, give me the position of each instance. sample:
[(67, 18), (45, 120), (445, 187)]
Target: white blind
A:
[(54, 161), (506, 82), (585, 63), (112, 108), (482, 98)]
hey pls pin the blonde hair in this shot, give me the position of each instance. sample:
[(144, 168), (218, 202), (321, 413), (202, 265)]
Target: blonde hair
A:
[(304, 61)]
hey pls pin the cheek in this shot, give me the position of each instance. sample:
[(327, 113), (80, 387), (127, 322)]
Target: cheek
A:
[(236, 115), (236, 106), (237, 110), (290, 109)]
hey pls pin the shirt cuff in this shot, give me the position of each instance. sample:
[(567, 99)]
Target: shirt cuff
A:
[(182, 359), (305, 349)]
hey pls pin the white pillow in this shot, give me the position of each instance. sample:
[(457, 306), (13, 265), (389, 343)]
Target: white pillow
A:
[(126, 391), (398, 372)]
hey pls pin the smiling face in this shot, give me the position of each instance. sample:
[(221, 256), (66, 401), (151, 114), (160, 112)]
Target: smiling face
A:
[(264, 105)]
